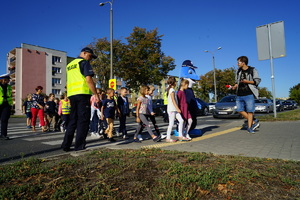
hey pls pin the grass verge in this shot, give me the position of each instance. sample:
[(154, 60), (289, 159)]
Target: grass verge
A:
[(150, 174), (292, 115)]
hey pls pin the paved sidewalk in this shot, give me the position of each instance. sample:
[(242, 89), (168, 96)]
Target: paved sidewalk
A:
[(272, 140)]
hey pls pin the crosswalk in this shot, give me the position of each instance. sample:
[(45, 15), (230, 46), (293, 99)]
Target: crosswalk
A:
[(20, 132)]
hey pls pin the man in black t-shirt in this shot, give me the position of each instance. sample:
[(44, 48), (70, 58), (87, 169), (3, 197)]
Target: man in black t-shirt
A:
[(247, 80)]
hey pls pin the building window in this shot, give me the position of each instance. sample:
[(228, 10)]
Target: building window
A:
[(56, 81), (56, 70), (56, 59), (56, 91)]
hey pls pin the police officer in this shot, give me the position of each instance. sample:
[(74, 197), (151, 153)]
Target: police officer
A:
[(80, 87), (6, 103)]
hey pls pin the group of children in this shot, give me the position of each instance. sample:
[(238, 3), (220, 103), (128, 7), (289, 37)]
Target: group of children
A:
[(177, 108), (105, 111), (56, 112)]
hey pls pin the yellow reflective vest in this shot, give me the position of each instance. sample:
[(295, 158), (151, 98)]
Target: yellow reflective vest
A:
[(65, 107), (165, 98), (76, 82), (8, 94)]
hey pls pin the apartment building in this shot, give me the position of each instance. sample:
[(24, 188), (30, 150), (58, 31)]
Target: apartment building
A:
[(31, 66)]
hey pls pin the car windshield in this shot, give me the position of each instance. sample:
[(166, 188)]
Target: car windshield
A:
[(228, 99), (286, 102), (260, 101)]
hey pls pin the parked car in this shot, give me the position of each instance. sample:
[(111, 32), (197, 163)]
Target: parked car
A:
[(279, 106), (211, 107), (204, 107), (158, 106), (263, 105), (226, 107), (288, 105), (295, 103)]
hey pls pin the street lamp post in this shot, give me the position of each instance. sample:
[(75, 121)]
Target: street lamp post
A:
[(111, 35), (213, 61)]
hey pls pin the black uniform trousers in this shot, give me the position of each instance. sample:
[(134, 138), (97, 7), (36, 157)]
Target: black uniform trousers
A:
[(5, 111), (79, 120)]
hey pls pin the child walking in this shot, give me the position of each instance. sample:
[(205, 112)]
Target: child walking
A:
[(173, 110), (123, 106), (51, 113), (108, 110), (141, 111), (27, 110), (64, 111), (151, 115), (183, 106), (95, 115)]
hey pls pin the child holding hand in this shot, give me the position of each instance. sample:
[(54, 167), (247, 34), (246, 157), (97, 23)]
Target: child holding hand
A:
[(108, 110), (141, 111), (185, 113), (173, 110)]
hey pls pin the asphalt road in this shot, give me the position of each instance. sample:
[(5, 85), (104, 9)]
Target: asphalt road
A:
[(24, 143), (220, 136)]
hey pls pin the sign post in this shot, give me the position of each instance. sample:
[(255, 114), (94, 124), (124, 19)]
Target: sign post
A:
[(112, 83), (271, 44)]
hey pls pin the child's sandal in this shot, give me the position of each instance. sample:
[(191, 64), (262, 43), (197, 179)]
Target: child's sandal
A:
[(183, 139)]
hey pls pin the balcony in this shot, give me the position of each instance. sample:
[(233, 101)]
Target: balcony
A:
[(12, 59)]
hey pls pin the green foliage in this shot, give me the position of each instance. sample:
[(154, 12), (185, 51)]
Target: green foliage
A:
[(206, 83), (295, 93), (263, 92), (223, 77), (139, 61)]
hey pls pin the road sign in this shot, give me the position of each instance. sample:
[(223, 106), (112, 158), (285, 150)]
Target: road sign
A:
[(271, 44), (112, 83), (270, 41)]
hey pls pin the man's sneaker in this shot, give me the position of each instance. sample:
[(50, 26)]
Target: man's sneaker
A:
[(250, 130), (255, 125), (163, 136), (157, 138), (140, 138), (97, 135)]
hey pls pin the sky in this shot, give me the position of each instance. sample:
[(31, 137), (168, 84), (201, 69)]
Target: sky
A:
[(188, 27)]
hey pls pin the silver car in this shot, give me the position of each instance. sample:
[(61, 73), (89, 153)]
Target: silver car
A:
[(226, 107), (264, 105)]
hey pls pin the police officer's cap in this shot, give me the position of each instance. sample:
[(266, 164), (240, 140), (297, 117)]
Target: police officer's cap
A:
[(89, 50)]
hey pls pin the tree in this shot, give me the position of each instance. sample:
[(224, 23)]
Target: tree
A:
[(138, 62), (264, 92), (295, 93), (206, 83), (101, 65), (143, 62)]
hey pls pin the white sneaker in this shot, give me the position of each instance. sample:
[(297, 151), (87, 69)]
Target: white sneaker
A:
[(93, 134), (97, 135), (140, 138), (62, 129), (188, 137), (163, 136)]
